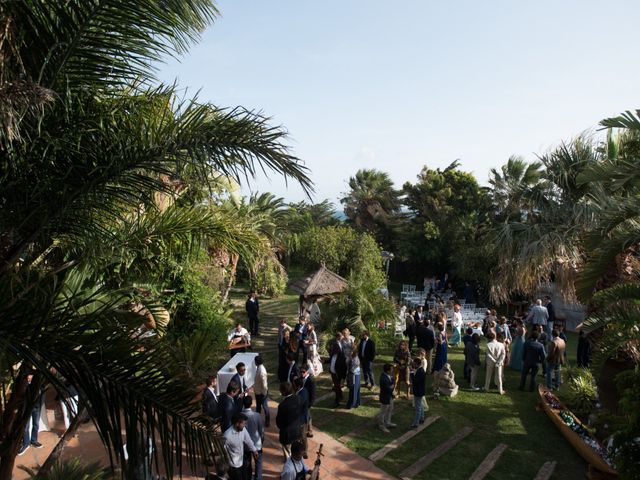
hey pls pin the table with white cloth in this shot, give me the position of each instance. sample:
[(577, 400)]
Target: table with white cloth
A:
[(228, 370)]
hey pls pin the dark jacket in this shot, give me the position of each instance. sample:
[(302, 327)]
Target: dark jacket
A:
[(341, 360), (551, 310), (209, 404), (386, 388), (239, 381), (252, 307), (310, 385), (369, 353), (533, 353), (295, 373), (288, 420), (303, 402), (425, 337), (418, 379), (227, 408), (472, 354)]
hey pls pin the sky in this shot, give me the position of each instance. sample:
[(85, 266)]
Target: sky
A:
[(399, 85)]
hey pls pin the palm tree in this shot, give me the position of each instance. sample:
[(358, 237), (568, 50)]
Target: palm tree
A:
[(371, 202), (86, 144), (514, 188), (546, 243)]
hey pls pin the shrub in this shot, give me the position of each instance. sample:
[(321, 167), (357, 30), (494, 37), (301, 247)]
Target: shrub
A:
[(581, 393), (271, 278), (626, 441)]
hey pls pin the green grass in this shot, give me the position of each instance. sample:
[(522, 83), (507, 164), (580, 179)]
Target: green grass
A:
[(511, 419)]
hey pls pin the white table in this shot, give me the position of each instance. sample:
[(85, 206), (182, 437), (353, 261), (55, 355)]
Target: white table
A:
[(228, 370)]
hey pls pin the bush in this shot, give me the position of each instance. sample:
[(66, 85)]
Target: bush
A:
[(271, 278), (582, 393), (626, 443)]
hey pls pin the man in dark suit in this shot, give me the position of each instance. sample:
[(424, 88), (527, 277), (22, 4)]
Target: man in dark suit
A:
[(238, 378), (288, 418), (533, 355), (303, 402), (227, 406), (367, 354), (210, 399), (309, 383), (301, 329), (386, 398), (253, 307), (426, 340), (337, 367)]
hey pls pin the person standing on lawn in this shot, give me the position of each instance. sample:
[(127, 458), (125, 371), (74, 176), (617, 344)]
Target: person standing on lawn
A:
[(472, 360), (386, 398), (338, 368), (494, 358), (253, 308), (533, 354), (555, 359), (418, 381), (367, 354)]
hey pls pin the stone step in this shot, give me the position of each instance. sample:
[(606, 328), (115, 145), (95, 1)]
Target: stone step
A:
[(434, 454), (378, 454), (488, 463), (546, 471)]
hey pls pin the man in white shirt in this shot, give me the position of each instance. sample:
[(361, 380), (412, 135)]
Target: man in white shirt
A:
[(495, 357), (255, 428), (314, 312), (261, 390), (238, 336), (237, 440), (294, 467)]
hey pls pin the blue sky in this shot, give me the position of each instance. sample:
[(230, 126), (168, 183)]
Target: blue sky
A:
[(399, 85)]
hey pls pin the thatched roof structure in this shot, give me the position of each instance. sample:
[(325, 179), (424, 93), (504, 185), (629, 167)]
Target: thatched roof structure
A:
[(319, 283)]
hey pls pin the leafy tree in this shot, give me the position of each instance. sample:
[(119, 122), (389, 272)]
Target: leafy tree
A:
[(371, 203), (87, 145), (447, 207)]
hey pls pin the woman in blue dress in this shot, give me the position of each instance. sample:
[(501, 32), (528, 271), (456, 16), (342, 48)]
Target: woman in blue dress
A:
[(517, 346), (441, 348)]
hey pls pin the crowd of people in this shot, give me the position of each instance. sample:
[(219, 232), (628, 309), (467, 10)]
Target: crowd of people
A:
[(526, 344)]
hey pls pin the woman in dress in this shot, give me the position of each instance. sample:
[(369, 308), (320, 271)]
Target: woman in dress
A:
[(353, 380), (456, 326), (517, 346), (441, 348), (314, 362), (401, 361)]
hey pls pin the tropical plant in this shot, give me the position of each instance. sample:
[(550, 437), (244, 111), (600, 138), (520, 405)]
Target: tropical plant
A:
[(371, 204), (86, 147), (581, 392), (71, 470)]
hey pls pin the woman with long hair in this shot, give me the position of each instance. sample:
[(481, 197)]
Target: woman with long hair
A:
[(517, 346), (314, 362), (401, 363), (353, 380), (441, 348)]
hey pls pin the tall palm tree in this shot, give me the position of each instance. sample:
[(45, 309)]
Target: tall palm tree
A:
[(546, 243), (371, 202), (85, 142), (514, 187)]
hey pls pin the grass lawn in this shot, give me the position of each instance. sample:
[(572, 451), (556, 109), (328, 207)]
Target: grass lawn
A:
[(511, 419)]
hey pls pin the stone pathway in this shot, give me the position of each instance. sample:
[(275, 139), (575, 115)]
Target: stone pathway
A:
[(434, 454), (488, 463), (377, 455), (546, 471)]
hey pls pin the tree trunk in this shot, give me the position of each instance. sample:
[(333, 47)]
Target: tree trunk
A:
[(57, 451), (15, 418), (232, 277)]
